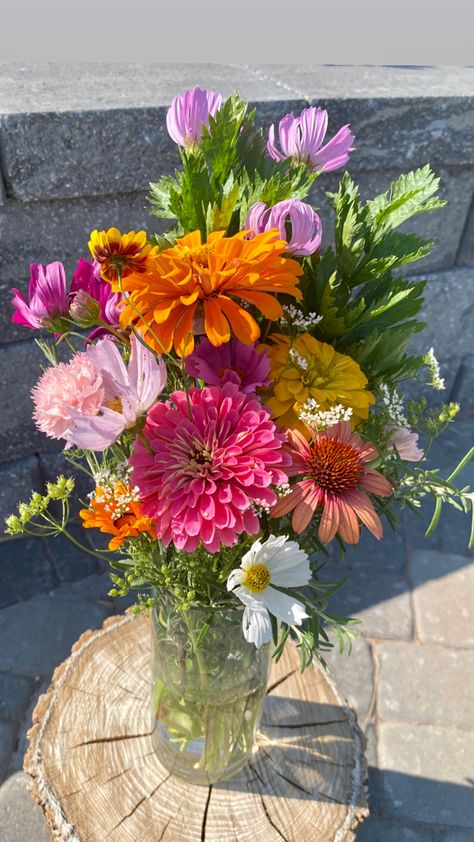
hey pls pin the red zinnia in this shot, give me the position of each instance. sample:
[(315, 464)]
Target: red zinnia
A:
[(334, 477)]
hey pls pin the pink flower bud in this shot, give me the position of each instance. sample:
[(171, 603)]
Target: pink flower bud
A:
[(296, 222), (188, 114), (301, 139)]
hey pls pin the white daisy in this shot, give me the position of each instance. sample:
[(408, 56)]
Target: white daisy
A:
[(279, 562)]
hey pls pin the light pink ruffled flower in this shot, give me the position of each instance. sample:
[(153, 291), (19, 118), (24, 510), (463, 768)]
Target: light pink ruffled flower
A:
[(214, 455), (406, 443), (232, 362), (301, 138), (91, 400), (306, 230), (188, 114), (64, 389)]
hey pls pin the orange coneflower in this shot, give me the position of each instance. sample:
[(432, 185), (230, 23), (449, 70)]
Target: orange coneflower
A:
[(120, 253), (117, 511), (194, 279), (334, 477)]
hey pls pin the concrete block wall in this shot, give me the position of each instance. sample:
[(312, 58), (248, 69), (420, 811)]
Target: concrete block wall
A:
[(80, 142)]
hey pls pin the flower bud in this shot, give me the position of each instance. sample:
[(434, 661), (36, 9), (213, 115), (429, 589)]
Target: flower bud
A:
[(84, 310)]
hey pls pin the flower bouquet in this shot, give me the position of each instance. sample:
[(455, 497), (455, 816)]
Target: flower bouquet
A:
[(232, 387)]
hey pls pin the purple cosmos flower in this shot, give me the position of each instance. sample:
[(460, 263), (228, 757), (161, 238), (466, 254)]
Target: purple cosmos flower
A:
[(188, 114), (305, 224), (233, 362), (87, 279), (301, 138), (48, 300)]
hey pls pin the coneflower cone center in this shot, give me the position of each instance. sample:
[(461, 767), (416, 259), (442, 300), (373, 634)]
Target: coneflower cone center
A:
[(335, 466), (257, 578)]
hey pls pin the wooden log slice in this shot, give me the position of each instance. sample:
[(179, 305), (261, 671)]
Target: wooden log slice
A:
[(97, 776)]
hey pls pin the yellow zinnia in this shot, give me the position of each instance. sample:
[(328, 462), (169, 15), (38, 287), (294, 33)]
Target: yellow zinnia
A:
[(118, 253), (304, 369)]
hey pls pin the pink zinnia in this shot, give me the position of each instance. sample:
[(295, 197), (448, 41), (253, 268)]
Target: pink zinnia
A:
[(213, 456), (301, 138), (334, 478), (189, 113), (305, 224), (232, 362), (48, 300)]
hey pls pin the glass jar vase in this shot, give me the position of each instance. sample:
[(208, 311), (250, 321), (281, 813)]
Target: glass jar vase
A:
[(208, 690)]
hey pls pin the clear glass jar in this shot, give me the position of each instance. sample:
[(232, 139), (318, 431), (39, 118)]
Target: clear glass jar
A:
[(209, 685)]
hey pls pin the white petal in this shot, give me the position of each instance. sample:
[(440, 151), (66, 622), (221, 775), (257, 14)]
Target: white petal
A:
[(147, 374), (292, 577), (249, 558), (284, 607), (248, 597), (235, 577), (256, 625)]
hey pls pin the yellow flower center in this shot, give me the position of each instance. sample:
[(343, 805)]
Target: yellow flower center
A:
[(116, 404), (257, 578)]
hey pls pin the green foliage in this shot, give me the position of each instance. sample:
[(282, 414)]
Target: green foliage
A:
[(368, 312)]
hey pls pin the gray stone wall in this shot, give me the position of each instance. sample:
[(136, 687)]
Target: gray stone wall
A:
[(79, 144)]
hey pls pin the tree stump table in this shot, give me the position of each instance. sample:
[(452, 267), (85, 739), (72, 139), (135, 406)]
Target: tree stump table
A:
[(97, 776)]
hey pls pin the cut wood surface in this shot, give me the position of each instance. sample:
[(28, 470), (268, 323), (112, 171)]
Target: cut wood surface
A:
[(97, 776)]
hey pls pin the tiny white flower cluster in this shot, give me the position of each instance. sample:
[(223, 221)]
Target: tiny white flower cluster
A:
[(293, 317), (258, 507), (108, 479), (393, 403), (284, 489), (430, 360), (300, 361), (311, 415)]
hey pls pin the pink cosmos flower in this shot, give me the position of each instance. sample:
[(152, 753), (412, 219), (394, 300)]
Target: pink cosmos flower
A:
[(188, 114), (406, 443), (48, 300), (92, 399), (306, 230), (301, 139), (334, 477), (233, 362), (212, 457), (87, 278)]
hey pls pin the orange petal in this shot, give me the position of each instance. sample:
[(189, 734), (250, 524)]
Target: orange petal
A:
[(243, 324), (215, 323), (363, 507), (266, 303), (348, 523), (183, 335)]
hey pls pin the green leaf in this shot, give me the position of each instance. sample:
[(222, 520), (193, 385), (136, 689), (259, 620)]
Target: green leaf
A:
[(411, 194)]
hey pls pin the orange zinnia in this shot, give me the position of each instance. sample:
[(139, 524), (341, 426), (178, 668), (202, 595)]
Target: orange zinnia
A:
[(120, 253), (115, 511), (194, 279)]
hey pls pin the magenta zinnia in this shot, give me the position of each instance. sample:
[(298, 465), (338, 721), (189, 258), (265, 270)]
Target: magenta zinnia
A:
[(211, 459), (334, 478)]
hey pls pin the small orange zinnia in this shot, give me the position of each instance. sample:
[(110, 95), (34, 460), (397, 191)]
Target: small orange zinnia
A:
[(333, 477), (118, 253), (117, 511), (195, 280)]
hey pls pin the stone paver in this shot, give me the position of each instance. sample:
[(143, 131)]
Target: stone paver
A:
[(38, 634), (15, 695), (429, 684), (427, 773), (25, 570), (453, 835), (16, 760), (353, 675), (443, 597), (380, 599), (71, 563), (17, 480), (21, 819), (7, 744), (381, 830)]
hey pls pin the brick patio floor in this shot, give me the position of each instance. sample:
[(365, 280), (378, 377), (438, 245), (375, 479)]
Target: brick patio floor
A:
[(410, 676)]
